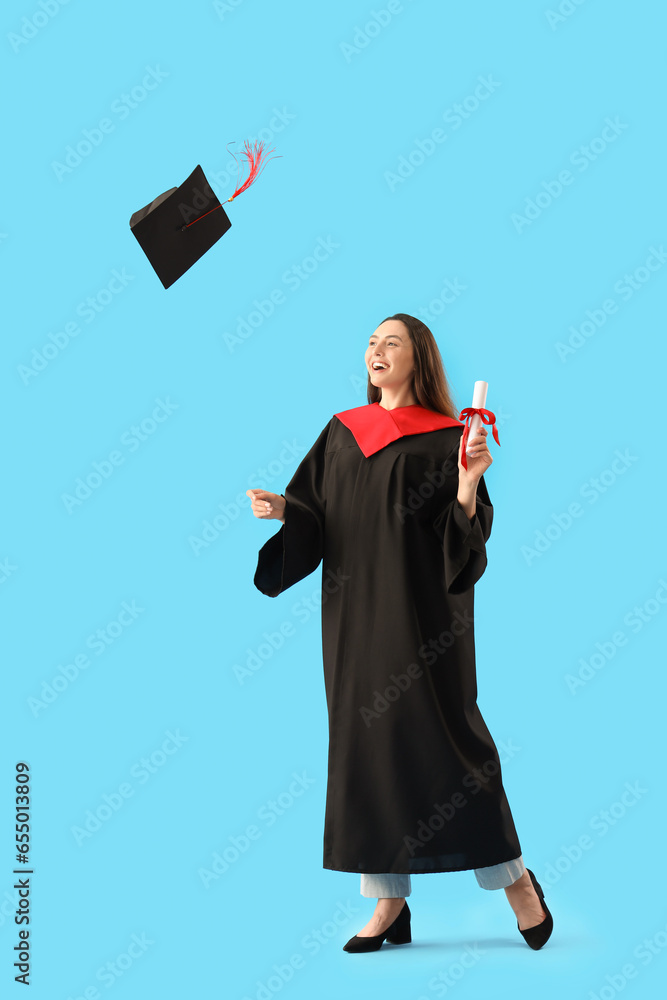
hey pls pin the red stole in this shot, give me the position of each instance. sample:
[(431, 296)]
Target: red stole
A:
[(374, 427)]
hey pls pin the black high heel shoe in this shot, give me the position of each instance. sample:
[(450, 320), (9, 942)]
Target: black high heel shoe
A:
[(398, 932), (539, 934)]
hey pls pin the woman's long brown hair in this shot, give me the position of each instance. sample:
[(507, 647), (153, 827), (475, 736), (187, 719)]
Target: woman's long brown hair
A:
[(429, 382)]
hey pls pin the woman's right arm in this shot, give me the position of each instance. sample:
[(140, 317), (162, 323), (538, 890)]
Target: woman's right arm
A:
[(267, 505), (297, 549)]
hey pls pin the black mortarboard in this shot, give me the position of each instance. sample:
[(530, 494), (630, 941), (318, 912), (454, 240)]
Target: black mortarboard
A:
[(179, 226)]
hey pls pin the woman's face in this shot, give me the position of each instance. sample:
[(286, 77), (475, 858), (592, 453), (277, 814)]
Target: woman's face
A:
[(390, 355)]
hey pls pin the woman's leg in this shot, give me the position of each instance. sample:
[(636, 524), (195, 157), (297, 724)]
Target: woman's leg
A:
[(390, 891), (513, 877), (385, 885)]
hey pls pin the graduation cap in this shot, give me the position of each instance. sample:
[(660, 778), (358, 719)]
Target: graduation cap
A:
[(180, 225)]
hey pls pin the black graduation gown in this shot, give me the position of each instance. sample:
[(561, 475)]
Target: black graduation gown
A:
[(414, 778)]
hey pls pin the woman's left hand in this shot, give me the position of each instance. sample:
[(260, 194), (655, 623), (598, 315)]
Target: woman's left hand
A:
[(478, 460)]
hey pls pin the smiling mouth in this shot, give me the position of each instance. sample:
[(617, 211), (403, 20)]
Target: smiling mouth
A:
[(380, 368)]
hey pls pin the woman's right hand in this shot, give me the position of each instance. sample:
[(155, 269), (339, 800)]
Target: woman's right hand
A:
[(267, 505)]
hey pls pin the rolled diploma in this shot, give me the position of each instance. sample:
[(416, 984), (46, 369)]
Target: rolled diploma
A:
[(479, 402)]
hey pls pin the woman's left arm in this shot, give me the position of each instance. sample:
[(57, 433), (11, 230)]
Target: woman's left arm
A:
[(463, 525), (479, 459)]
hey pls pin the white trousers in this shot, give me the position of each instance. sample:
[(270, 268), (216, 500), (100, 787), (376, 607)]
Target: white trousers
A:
[(398, 885)]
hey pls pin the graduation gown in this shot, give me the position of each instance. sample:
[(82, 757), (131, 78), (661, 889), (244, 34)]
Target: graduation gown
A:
[(414, 779)]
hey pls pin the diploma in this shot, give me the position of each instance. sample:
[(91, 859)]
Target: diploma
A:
[(474, 416), (478, 401)]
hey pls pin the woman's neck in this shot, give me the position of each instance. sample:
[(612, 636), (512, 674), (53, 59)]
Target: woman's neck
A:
[(392, 400)]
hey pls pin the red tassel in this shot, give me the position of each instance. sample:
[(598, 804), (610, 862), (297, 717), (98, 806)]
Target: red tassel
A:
[(255, 155)]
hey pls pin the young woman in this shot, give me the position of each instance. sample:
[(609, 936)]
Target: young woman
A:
[(383, 501)]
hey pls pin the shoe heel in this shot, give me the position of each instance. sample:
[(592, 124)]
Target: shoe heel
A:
[(404, 938), (399, 932)]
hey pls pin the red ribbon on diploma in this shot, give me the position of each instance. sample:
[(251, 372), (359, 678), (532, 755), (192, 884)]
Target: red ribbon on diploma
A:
[(486, 416)]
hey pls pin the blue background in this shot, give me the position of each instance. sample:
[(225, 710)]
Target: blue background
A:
[(345, 101)]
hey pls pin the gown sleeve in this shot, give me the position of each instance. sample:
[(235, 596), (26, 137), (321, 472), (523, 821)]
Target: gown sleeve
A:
[(297, 549), (464, 541)]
